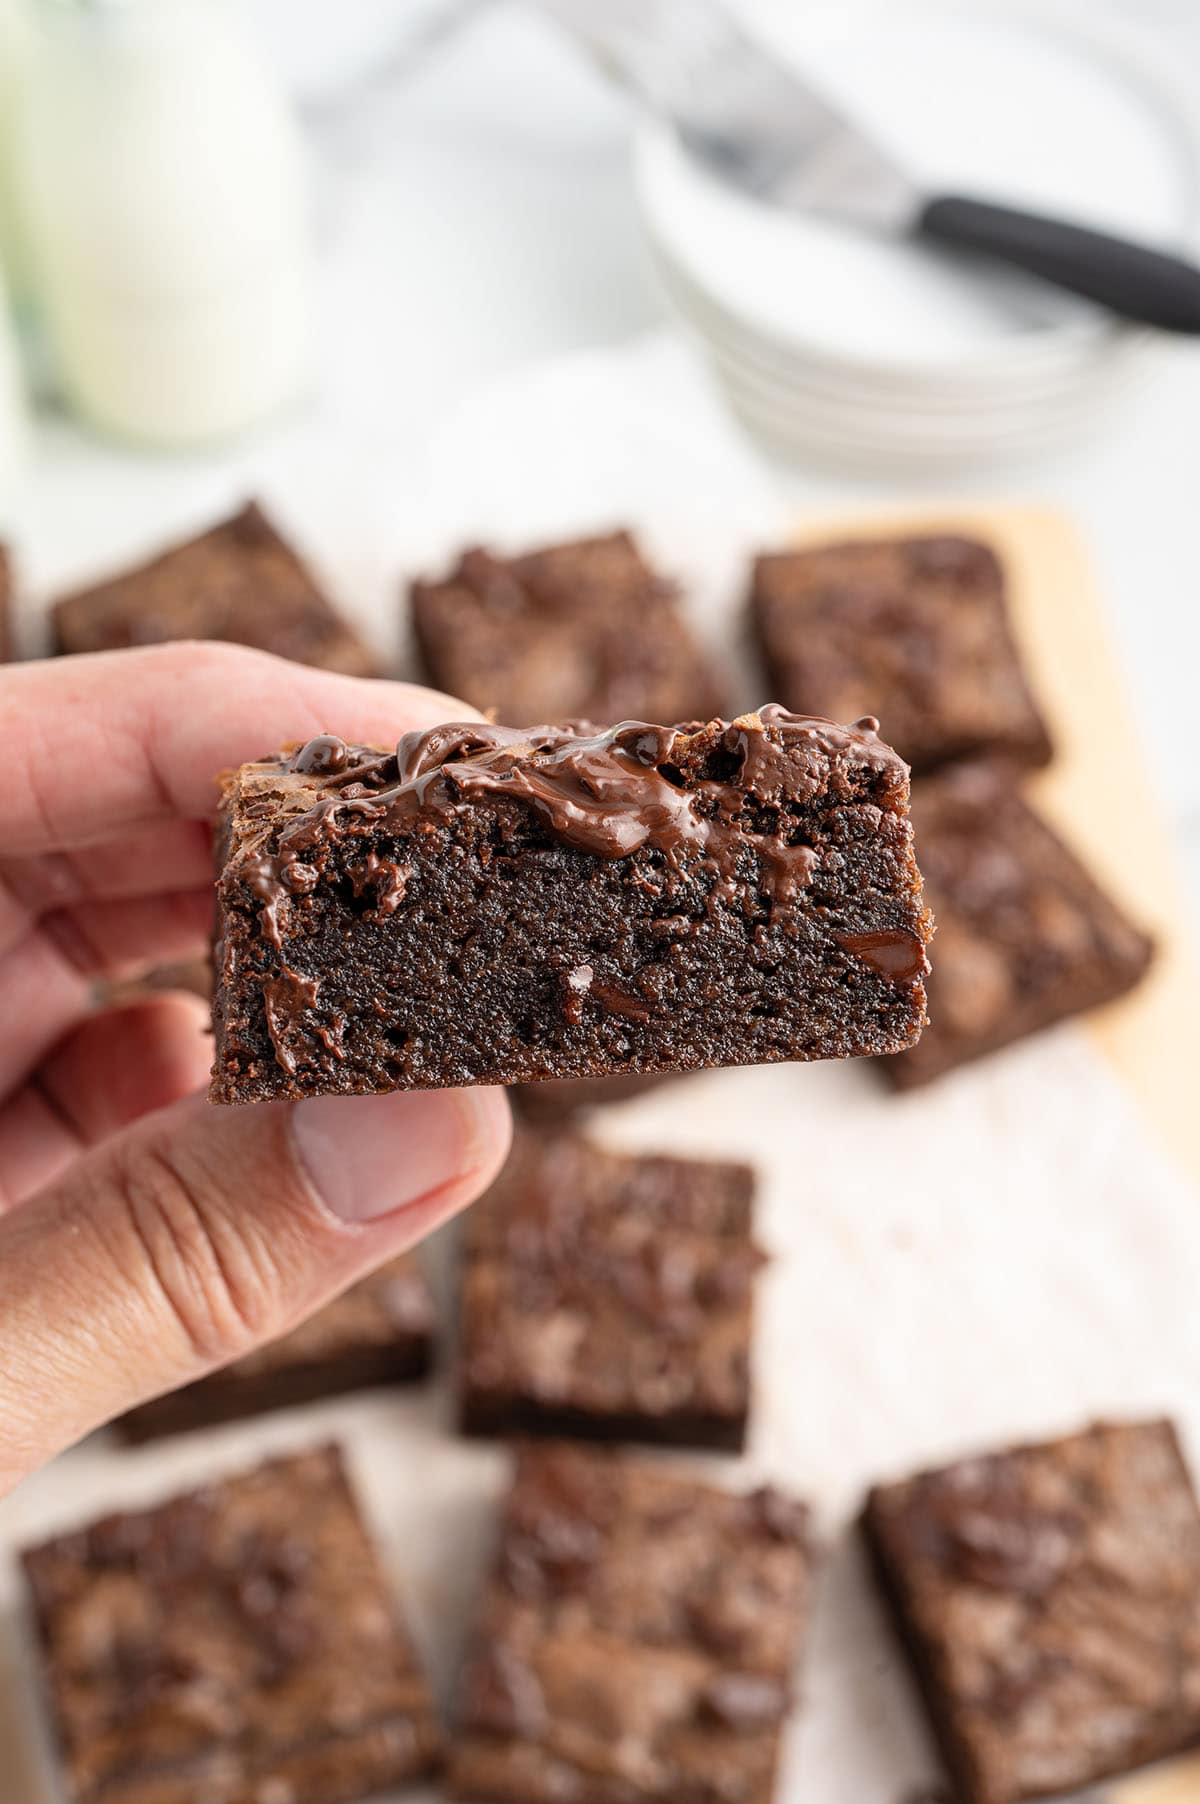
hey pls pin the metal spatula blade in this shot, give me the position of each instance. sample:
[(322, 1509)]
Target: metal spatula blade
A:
[(759, 125)]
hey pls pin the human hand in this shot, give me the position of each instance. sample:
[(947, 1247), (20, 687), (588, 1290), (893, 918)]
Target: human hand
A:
[(147, 1237)]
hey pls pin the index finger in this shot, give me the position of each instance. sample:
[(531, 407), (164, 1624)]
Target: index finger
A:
[(100, 744)]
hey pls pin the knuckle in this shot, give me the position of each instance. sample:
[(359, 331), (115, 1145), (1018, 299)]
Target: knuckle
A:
[(215, 1285)]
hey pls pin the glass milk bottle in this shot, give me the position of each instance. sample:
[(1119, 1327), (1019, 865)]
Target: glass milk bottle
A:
[(12, 416), (163, 192), (14, 57)]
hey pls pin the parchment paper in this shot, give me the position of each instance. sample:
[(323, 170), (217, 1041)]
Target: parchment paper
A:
[(1005, 1255)]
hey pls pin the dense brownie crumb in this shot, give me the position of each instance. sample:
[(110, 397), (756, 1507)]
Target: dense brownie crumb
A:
[(1050, 1598), (611, 1296), (239, 581), (581, 631), (488, 906), (913, 630), (636, 1643), (236, 1645), (378, 1332), (1025, 936)]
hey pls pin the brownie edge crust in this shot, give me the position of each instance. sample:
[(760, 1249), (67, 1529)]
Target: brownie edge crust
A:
[(485, 905)]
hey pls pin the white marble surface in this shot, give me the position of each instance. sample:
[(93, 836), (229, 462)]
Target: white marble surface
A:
[(476, 214)]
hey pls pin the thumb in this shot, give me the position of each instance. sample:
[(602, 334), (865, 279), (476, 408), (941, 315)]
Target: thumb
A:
[(184, 1242)]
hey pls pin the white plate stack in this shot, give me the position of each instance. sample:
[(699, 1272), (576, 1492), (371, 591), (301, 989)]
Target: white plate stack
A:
[(874, 352)]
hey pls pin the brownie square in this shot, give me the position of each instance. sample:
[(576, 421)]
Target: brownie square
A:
[(239, 581), (1050, 1600), (559, 1100), (609, 1296), (236, 1645), (636, 1641), (1025, 937), (379, 1332), (487, 906), (915, 631), (582, 631)]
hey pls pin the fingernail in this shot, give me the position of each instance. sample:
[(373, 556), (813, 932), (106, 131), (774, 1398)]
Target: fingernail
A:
[(367, 1156)]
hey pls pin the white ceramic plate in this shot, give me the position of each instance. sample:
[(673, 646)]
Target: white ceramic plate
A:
[(1043, 106), (954, 391)]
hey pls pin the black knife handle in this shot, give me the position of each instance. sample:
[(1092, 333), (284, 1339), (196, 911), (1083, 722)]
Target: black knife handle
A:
[(1129, 279)]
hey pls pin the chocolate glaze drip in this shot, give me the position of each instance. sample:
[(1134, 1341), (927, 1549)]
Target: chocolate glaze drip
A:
[(603, 793), (287, 997), (608, 794)]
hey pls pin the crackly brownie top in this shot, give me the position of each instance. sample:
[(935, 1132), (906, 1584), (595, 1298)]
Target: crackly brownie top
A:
[(250, 1614), (914, 629), (692, 794), (608, 1282), (1056, 1592), (639, 1632), (239, 581), (395, 1300), (1018, 916), (581, 628)]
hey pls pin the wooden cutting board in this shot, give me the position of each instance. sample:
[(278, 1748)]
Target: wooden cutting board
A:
[(1098, 791)]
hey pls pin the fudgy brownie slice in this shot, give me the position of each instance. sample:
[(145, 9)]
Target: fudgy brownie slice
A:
[(636, 1642), (582, 631), (486, 906), (609, 1296), (1050, 1599), (239, 581), (913, 630), (236, 1645), (378, 1332), (1025, 936)]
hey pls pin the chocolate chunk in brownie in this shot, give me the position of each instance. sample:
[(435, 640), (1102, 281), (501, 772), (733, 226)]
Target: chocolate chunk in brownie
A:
[(237, 1645), (379, 1332), (1025, 937), (561, 1099), (609, 1296), (238, 581), (583, 631), (637, 1639), (482, 905), (1050, 1600), (913, 630)]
